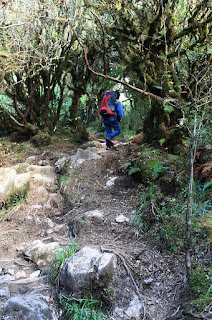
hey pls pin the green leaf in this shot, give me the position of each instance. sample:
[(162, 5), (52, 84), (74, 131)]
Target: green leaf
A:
[(177, 85), (158, 87), (163, 57), (161, 141), (133, 170), (167, 75), (127, 164), (168, 108), (163, 32)]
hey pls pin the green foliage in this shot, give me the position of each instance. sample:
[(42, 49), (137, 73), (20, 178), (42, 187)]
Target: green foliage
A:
[(82, 309), (164, 218), (150, 169), (60, 259), (201, 287), (168, 108), (17, 197), (63, 180)]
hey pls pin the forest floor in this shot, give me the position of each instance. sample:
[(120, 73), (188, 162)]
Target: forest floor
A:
[(144, 268)]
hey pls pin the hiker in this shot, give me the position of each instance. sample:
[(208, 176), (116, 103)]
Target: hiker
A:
[(111, 110)]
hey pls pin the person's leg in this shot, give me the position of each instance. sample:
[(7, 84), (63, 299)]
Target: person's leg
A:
[(108, 134), (116, 127)]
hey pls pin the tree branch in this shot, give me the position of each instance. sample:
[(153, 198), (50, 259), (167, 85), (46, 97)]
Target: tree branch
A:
[(105, 76), (9, 114), (192, 28), (104, 43)]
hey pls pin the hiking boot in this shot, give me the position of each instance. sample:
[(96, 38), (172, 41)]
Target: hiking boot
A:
[(110, 142)]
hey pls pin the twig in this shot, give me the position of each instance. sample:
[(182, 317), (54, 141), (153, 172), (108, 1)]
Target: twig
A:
[(172, 315), (126, 267), (195, 316)]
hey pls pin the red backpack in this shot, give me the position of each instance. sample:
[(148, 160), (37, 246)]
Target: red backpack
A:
[(108, 104)]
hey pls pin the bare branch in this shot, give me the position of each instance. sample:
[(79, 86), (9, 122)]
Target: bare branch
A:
[(11, 117), (105, 76)]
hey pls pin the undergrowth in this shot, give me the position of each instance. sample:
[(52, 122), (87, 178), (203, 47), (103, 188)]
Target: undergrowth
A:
[(82, 309), (162, 205), (201, 289), (59, 259)]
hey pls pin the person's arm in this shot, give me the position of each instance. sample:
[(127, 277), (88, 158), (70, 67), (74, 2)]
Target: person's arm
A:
[(119, 110)]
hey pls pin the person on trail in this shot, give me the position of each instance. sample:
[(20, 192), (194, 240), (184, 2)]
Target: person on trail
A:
[(112, 118)]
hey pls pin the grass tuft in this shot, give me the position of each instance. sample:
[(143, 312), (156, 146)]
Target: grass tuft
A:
[(82, 309)]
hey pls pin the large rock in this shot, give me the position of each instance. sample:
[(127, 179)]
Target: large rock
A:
[(7, 180), (11, 182), (88, 271), (83, 155), (42, 174), (41, 253), (17, 179), (28, 307)]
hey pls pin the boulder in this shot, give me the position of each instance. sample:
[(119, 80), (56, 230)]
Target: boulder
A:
[(11, 182), (83, 155), (94, 216), (40, 253), (88, 271), (7, 180), (42, 174), (28, 307)]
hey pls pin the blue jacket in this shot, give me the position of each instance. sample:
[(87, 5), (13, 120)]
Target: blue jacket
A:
[(119, 110)]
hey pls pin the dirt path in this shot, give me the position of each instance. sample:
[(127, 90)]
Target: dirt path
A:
[(142, 270)]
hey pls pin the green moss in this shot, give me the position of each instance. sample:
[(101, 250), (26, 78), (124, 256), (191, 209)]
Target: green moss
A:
[(201, 288)]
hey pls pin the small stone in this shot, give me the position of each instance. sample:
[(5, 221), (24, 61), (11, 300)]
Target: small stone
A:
[(49, 222), (148, 281), (57, 228), (95, 215), (111, 181), (20, 275), (35, 274), (23, 290), (135, 309), (122, 219), (31, 159)]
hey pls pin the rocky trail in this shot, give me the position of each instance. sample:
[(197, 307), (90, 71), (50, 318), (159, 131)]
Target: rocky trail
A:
[(81, 195)]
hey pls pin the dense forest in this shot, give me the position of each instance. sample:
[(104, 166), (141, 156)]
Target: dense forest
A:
[(58, 57)]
